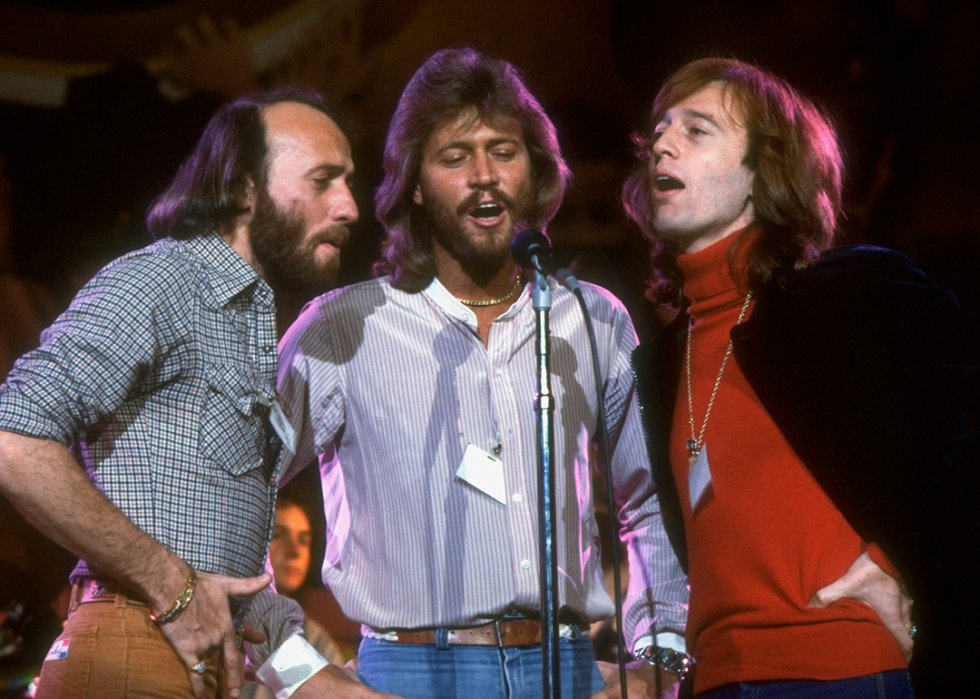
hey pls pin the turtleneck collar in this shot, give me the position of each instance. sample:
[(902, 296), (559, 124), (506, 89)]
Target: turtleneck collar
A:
[(708, 272)]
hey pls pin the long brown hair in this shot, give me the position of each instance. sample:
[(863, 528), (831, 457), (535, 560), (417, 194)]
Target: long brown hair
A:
[(450, 82), (207, 192), (798, 168)]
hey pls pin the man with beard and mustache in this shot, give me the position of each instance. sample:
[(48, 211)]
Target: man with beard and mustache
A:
[(416, 391), (160, 380)]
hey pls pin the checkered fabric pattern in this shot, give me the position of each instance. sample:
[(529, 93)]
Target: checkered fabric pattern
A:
[(161, 374)]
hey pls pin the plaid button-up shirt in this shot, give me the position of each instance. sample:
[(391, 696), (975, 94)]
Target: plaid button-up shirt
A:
[(161, 374)]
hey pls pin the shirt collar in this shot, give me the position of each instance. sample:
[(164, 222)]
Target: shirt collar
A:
[(228, 272), (451, 306)]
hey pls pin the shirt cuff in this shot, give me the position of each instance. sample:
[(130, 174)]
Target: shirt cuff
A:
[(665, 639), (292, 664)]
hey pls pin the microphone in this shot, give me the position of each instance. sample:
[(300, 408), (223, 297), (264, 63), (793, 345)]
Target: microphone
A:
[(532, 249)]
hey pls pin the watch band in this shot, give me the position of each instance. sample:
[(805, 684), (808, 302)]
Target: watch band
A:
[(667, 659)]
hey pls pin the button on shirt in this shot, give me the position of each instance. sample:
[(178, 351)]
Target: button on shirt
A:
[(389, 388), (156, 375)]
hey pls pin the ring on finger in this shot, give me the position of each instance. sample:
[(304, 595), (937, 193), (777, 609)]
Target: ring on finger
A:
[(200, 668)]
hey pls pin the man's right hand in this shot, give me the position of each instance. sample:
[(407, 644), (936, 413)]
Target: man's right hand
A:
[(340, 682), (866, 582), (205, 627)]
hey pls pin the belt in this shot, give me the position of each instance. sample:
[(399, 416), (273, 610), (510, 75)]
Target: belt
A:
[(88, 590), (501, 633)]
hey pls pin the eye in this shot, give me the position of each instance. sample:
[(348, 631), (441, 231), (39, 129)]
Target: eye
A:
[(453, 160), (505, 154)]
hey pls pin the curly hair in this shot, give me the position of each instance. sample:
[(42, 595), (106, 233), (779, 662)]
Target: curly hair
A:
[(450, 82), (793, 150)]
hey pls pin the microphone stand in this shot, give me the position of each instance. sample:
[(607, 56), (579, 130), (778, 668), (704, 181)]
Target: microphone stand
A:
[(548, 555)]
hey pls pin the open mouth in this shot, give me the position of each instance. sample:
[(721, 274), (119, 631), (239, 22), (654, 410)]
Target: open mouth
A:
[(488, 211), (666, 183)]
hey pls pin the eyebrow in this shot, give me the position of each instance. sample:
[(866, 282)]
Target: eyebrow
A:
[(332, 170), (695, 114), (468, 145)]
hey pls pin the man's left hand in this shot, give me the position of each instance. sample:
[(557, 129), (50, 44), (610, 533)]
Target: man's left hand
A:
[(866, 582), (643, 681)]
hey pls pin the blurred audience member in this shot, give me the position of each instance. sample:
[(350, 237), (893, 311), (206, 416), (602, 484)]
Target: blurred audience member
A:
[(289, 557)]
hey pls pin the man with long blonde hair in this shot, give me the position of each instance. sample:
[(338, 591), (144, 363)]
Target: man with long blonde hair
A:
[(416, 392)]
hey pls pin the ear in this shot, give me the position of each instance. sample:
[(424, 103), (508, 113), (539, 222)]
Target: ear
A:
[(249, 195), (417, 195)]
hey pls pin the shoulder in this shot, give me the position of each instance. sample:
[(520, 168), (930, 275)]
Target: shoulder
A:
[(161, 269), (863, 264), (138, 283), (602, 304), (338, 313), (355, 300)]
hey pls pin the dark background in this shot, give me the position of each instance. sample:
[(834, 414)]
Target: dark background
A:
[(898, 77)]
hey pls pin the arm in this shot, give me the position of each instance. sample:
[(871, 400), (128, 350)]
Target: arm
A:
[(280, 619), (42, 479), (642, 681), (91, 361), (655, 609)]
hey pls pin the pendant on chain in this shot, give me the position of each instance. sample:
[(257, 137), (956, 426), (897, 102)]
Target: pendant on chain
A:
[(692, 452)]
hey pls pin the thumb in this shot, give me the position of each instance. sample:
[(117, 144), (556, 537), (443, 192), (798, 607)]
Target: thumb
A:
[(825, 596), (247, 586)]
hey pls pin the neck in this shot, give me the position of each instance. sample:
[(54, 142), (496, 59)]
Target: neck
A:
[(237, 238), (464, 284)]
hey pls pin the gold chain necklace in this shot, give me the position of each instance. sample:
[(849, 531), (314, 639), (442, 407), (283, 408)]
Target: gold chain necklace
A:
[(494, 302), (695, 443)]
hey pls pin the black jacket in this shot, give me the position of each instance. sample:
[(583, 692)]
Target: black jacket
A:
[(867, 368)]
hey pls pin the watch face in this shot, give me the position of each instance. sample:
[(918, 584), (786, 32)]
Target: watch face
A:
[(668, 660)]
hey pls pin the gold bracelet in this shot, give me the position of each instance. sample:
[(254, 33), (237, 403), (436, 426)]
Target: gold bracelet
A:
[(181, 603)]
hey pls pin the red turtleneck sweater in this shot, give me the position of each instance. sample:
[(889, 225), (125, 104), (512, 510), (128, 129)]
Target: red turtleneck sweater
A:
[(765, 537)]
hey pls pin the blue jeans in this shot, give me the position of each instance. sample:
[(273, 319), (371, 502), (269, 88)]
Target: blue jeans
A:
[(894, 684), (415, 671)]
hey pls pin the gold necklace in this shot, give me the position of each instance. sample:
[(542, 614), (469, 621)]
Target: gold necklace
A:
[(694, 444), (494, 302)]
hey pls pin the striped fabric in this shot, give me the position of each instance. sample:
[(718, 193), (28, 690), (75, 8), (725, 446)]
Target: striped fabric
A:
[(161, 373), (389, 388)]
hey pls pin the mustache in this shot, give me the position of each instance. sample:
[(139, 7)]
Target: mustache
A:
[(497, 195), (335, 235)]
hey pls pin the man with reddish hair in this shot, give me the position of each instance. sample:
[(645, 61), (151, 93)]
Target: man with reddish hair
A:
[(805, 407)]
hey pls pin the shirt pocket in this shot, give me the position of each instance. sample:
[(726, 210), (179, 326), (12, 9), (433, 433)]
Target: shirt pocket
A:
[(233, 420)]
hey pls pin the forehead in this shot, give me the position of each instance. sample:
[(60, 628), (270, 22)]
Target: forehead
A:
[(302, 133), (470, 126), (713, 102), (292, 517)]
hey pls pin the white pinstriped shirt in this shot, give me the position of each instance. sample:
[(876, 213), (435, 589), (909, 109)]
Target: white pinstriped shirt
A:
[(387, 388)]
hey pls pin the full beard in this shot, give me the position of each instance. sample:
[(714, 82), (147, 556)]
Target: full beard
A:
[(480, 256), (277, 236)]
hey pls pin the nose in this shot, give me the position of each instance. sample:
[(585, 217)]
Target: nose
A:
[(483, 173), (665, 144), (345, 208)]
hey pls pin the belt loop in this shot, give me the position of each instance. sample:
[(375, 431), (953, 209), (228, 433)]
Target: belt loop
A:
[(121, 599), (442, 638), (496, 628)]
